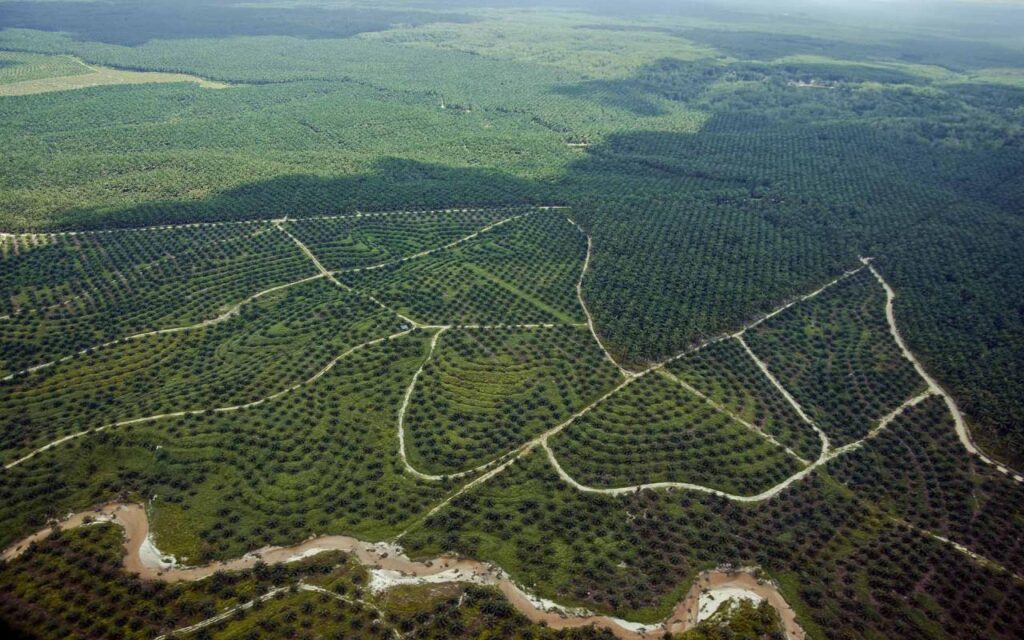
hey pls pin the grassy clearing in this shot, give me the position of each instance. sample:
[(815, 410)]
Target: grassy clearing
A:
[(93, 76)]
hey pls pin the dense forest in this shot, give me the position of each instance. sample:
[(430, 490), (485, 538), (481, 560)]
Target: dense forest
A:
[(297, 243), (741, 177)]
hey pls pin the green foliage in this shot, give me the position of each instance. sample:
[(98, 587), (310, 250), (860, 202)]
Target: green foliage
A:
[(715, 188), (724, 372), (65, 293), (740, 620), (130, 22), (723, 163), (917, 470), (280, 340), (636, 554), (522, 272), (835, 354), (357, 242), (958, 308), (654, 430), (72, 585), (485, 392), (19, 67), (321, 458)]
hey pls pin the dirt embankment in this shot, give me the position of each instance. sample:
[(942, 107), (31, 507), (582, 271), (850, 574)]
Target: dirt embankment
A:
[(389, 566)]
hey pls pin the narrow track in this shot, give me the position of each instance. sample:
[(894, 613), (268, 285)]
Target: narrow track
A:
[(962, 430), (390, 558), (218, 223), (736, 418), (234, 310), (583, 304), (230, 313), (189, 412)]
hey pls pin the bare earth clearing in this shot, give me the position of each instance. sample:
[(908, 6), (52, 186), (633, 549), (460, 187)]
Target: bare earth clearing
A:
[(390, 567)]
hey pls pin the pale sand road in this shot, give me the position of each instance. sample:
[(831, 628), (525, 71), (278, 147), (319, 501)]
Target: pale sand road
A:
[(763, 367), (215, 223), (225, 409), (322, 273), (962, 431), (401, 420), (620, 628), (235, 309), (583, 304), (723, 410), (147, 564), (331, 274), (427, 252), (825, 456), (228, 314), (768, 494), (542, 439)]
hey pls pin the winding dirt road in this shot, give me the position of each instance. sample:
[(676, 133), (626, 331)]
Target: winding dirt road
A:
[(583, 304), (142, 558), (231, 312), (724, 410), (226, 409), (219, 223), (962, 430)]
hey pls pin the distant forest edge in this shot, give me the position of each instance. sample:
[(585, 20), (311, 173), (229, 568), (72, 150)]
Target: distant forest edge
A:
[(717, 179), (133, 22)]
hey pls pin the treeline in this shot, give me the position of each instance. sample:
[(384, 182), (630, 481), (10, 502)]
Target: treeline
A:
[(713, 190)]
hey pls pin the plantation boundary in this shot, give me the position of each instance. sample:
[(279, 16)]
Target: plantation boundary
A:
[(497, 465)]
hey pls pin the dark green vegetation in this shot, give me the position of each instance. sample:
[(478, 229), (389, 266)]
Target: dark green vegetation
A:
[(724, 372), (849, 570), (352, 243), (723, 160), (82, 568), (835, 354), (916, 472), (18, 67), (715, 186), (322, 458), (133, 22), (522, 272), (657, 431), (72, 586), (315, 449), (71, 292), (485, 392), (282, 339), (739, 621)]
